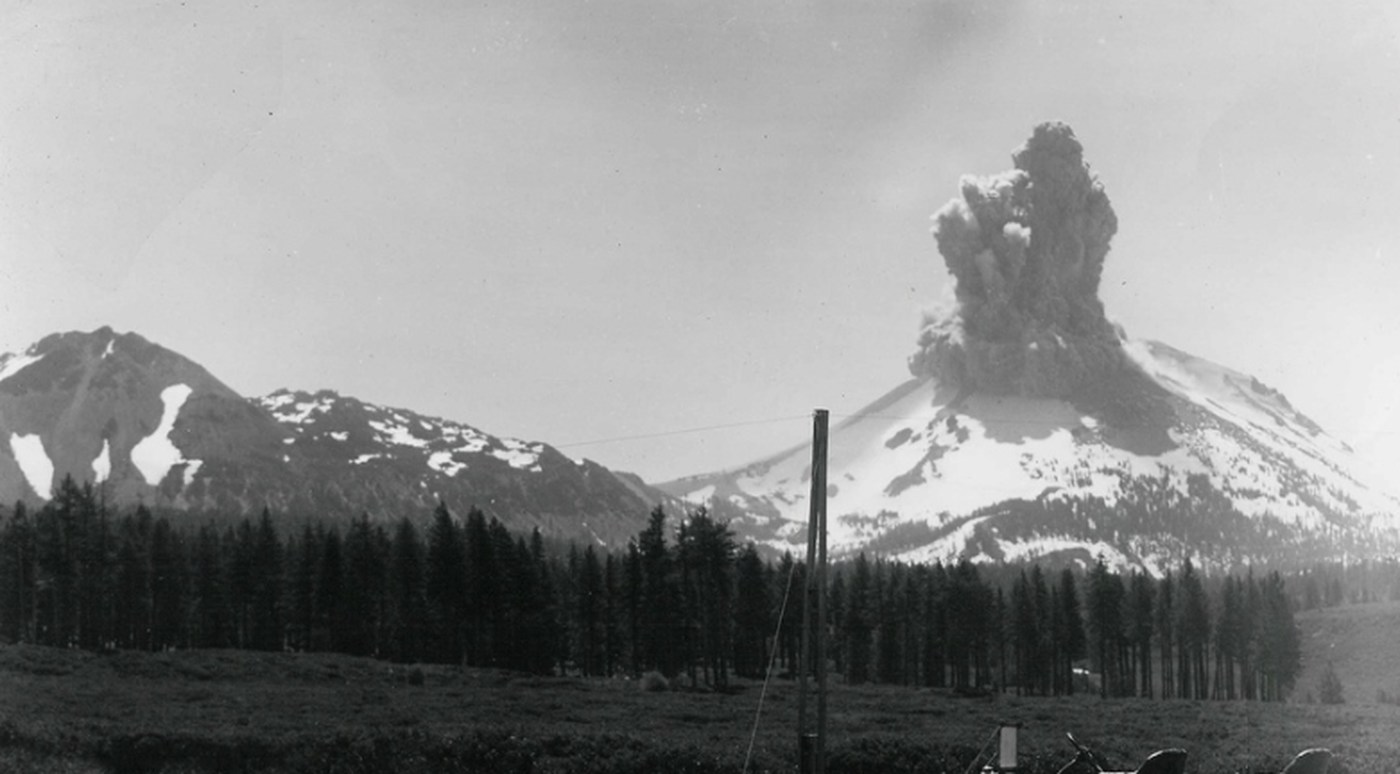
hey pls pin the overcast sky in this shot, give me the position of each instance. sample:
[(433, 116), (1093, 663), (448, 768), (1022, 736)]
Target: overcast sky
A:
[(575, 221)]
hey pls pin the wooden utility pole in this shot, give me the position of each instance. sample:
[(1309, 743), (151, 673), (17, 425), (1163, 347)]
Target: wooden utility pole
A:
[(811, 743)]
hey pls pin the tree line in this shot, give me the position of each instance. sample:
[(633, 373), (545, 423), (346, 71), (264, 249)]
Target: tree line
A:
[(683, 599)]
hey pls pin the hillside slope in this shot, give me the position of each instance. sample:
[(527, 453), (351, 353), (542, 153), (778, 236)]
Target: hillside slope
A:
[(151, 426)]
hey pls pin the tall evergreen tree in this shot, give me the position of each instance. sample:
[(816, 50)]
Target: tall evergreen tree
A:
[(409, 606), (1278, 642), (167, 586), (660, 619), (480, 603), (1193, 635), (19, 571), (133, 582), (934, 656), (1140, 626), (1105, 624), (211, 622), (265, 586), (363, 595), (858, 626), (446, 588), (302, 593), (1165, 619), (330, 630), (1073, 643), (588, 618), (705, 548)]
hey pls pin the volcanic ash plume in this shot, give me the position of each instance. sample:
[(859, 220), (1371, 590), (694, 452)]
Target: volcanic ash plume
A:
[(1026, 250)]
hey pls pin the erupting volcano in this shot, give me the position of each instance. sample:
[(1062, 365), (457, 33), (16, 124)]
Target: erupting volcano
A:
[(1035, 428)]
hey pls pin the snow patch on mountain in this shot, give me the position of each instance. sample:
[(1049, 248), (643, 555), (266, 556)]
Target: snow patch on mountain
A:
[(397, 433), (290, 410), (442, 462), (156, 454), (11, 364), (102, 464), (519, 454), (445, 446), (34, 463)]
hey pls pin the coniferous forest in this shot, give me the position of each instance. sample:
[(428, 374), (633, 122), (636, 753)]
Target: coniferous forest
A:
[(683, 599)]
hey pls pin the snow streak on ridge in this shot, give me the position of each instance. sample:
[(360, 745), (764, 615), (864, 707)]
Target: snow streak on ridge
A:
[(34, 462), (156, 454)]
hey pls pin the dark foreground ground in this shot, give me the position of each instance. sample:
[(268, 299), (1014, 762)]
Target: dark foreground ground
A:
[(214, 711)]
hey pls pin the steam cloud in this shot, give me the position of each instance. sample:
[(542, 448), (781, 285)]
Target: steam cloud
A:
[(1026, 249)]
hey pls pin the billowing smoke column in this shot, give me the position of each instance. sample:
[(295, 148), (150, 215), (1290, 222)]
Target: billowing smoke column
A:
[(1026, 249)]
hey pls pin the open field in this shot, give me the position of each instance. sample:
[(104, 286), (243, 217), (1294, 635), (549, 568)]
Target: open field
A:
[(1361, 642), (205, 711)]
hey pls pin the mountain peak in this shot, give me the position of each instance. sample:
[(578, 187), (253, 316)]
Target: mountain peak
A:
[(1035, 428), (154, 427)]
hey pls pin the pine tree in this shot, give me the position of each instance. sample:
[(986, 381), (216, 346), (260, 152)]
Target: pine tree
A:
[(935, 618), (302, 593), (788, 585), (1279, 645), (480, 600), (705, 548), (1140, 627), (612, 615), (660, 617), (329, 630), (1193, 635), (971, 605), (58, 542), (1105, 624), (836, 620), (363, 595), (409, 607), (242, 574), (265, 586), (1228, 644), (167, 586), (446, 588), (1164, 615), (19, 570), (211, 622), (858, 627), (588, 617), (1025, 634), (95, 623), (632, 592), (542, 629), (133, 582), (752, 617), (1073, 643)]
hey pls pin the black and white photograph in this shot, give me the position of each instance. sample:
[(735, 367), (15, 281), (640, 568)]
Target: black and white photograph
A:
[(700, 386)]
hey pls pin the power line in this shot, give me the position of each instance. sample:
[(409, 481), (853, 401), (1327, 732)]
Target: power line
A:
[(684, 431), (953, 414)]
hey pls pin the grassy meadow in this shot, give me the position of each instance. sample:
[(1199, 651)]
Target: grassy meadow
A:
[(208, 711)]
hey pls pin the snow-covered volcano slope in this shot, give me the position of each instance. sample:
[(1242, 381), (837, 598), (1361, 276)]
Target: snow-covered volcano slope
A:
[(1183, 457), (1035, 429)]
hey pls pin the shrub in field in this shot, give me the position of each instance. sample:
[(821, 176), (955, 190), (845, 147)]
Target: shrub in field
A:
[(655, 681), (1329, 688), (415, 676)]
